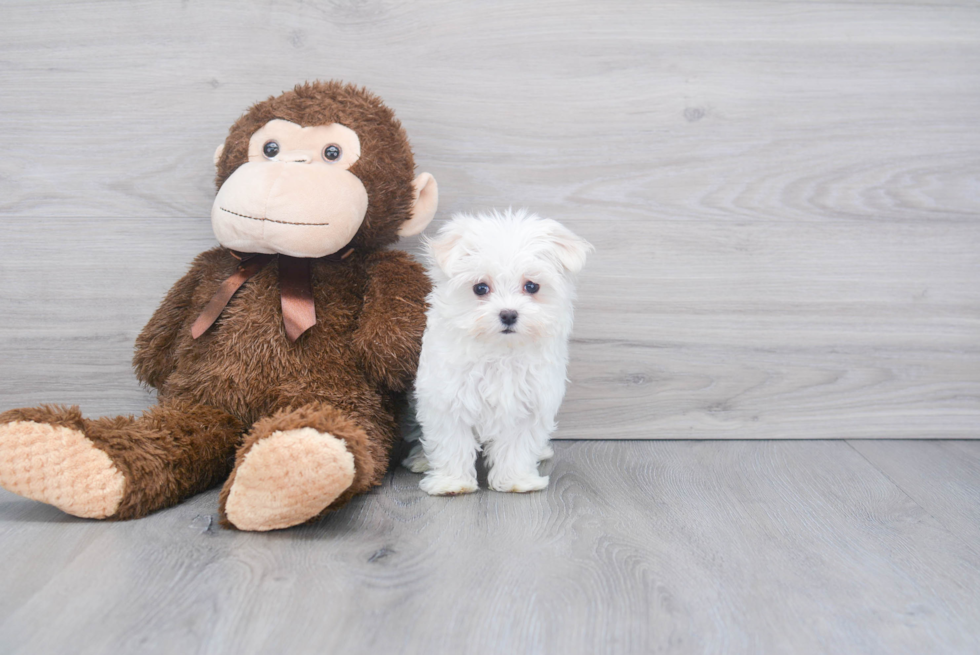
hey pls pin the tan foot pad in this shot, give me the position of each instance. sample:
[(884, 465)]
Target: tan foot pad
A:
[(60, 467), (288, 478)]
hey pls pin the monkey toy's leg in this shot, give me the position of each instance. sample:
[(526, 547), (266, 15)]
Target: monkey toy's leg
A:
[(299, 463), (116, 468)]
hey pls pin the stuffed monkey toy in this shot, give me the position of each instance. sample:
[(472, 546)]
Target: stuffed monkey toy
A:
[(281, 357)]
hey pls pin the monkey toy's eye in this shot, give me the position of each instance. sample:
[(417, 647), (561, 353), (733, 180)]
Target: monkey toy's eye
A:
[(481, 289), (331, 152), (532, 287), (270, 149)]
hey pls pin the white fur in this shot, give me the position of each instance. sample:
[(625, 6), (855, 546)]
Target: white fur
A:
[(479, 388)]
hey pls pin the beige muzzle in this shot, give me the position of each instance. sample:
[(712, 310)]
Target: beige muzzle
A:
[(295, 207)]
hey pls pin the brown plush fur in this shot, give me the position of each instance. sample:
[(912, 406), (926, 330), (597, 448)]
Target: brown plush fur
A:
[(174, 450), (344, 376), (386, 166)]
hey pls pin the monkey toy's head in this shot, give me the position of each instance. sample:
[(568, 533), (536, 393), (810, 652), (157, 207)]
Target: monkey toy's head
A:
[(324, 166)]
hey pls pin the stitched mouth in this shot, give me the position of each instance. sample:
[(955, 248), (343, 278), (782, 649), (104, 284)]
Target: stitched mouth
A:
[(272, 220)]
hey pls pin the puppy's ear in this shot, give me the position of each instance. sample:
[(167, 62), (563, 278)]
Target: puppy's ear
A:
[(569, 248), (443, 249)]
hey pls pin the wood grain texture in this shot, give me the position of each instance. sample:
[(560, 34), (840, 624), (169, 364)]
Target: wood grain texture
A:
[(785, 196), (942, 477), (636, 547)]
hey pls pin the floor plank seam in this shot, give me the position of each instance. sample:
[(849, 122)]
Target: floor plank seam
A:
[(908, 495)]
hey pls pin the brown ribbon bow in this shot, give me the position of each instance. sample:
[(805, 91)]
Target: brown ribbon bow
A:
[(295, 292)]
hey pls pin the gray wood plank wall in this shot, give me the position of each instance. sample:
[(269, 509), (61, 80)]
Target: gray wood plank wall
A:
[(785, 196)]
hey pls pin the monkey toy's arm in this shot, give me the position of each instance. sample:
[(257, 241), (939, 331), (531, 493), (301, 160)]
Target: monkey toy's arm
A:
[(389, 333), (154, 359)]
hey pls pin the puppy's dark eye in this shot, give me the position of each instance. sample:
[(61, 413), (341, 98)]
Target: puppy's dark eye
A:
[(271, 149), (331, 152), (481, 289), (532, 287)]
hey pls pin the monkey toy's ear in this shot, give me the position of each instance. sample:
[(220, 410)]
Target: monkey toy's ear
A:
[(424, 208), (217, 153)]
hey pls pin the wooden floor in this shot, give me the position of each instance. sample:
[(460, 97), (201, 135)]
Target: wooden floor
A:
[(637, 547)]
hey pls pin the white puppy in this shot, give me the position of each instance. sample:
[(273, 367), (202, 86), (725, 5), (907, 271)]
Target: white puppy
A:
[(492, 371)]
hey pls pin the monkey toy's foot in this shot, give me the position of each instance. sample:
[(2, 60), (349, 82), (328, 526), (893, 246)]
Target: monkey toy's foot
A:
[(60, 466), (287, 478)]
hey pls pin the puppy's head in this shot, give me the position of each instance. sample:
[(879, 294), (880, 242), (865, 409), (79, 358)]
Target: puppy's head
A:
[(507, 277)]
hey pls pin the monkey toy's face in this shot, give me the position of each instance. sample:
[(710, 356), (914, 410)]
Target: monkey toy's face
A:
[(295, 195), (299, 194)]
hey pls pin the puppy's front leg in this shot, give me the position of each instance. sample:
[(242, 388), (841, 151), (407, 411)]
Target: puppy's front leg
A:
[(513, 458), (450, 449)]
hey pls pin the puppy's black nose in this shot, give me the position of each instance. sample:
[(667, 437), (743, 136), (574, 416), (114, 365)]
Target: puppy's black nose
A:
[(508, 317)]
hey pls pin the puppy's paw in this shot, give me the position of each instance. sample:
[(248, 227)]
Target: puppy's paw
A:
[(416, 461), (438, 484), (521, 484), (547, 453)]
